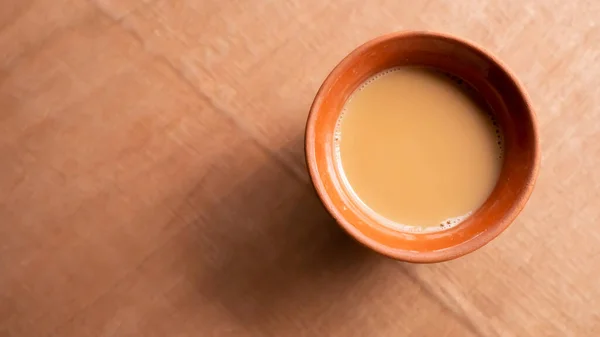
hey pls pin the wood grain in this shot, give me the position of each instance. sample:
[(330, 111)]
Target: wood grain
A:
[(152, 179)]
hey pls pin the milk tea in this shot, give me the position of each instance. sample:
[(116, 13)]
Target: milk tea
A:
[(417, 149)]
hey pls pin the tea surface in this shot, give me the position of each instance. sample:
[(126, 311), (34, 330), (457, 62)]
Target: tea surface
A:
[(417, 149)]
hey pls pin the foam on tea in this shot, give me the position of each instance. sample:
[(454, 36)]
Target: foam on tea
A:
[(417, 149)]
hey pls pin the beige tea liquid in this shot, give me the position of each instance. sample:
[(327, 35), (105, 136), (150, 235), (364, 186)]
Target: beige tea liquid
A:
[(417, 149)]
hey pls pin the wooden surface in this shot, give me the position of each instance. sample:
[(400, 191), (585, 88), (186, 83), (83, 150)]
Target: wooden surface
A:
[(152, 180)]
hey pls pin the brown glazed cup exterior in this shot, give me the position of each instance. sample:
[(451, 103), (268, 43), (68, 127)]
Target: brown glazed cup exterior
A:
[(494, 83)]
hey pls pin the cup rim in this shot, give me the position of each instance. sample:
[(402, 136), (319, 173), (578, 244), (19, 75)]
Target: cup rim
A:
[(451, 252)]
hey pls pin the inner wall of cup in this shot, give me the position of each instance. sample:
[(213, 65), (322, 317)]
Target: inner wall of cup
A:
[(472, 68)]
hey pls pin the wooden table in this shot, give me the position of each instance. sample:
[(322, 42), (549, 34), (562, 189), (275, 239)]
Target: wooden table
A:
[(152, 179)]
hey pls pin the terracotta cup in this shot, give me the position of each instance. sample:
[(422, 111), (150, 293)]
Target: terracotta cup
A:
[(492, 81)]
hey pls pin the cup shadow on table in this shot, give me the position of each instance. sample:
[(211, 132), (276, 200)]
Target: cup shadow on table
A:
[(276, 248)]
